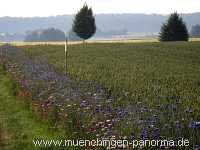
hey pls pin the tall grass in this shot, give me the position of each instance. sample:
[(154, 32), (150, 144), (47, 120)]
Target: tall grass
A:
[(160, 79), (19, 126)]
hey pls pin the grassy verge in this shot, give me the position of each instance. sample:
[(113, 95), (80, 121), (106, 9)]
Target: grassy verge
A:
[(18, 125)]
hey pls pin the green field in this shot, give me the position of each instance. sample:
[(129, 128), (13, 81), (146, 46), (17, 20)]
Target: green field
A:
[(133, 72), (162, 80), (158, 84)]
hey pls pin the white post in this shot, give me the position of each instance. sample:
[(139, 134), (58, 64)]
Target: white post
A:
[(66, 53)]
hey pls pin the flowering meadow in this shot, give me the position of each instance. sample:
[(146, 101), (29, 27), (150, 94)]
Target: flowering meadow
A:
[(119, 91)]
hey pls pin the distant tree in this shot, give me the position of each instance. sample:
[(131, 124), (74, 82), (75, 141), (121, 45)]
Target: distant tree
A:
[(174, 29), (32, 36), (50, 34), (195, 31), (84, 23)]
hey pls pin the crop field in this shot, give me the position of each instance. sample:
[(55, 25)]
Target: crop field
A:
[(122, 90), (162, 77), (139, 71)]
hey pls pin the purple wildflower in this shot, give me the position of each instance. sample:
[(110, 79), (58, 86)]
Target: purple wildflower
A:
[(144, 134), (195, 125)]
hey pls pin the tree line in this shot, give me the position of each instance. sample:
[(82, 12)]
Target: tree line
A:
[(49, 34), (84, 27), (195, 31), (173, 30)]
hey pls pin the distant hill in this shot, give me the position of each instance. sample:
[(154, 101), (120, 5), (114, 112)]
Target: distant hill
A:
[(106, 23)]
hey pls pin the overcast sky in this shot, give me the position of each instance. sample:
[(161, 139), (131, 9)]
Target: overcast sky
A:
[(30, 8)]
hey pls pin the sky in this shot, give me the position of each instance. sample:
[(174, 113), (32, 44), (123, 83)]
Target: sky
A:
[(32, 8)]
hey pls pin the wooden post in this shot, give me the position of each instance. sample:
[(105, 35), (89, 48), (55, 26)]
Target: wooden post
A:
[(1, 56), (1, 53), (6, 54), (66, 53)]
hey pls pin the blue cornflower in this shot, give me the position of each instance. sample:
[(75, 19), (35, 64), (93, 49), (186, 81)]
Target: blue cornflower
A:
[(197, 147), (144, 134), (195, 125), (156, 133)]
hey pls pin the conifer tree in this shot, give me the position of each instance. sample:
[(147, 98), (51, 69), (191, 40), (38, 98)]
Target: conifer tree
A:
[(174, 29), (84, 23)]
